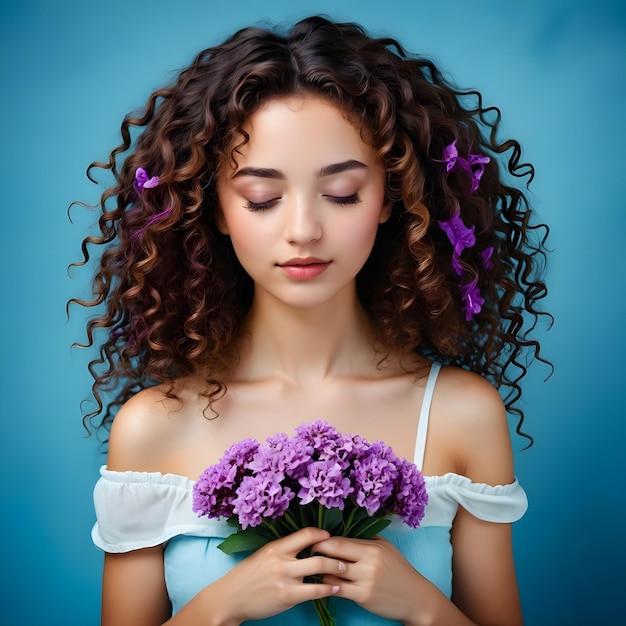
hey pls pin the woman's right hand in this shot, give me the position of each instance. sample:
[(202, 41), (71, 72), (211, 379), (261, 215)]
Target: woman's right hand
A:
[(271, 579)]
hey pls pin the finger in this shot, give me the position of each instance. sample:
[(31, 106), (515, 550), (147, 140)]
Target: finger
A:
[(301, 539), (343, 548), (335, 581), (315, 591), (347, 589), (314, 565)]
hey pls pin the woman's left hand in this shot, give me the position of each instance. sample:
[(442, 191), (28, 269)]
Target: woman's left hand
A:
[(376, 576)]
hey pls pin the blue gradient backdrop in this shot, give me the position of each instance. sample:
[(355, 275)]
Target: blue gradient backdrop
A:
[(71, 69)]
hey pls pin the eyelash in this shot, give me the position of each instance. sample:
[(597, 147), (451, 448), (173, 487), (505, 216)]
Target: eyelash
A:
[(343, 200), (260, 206), (339, 200)]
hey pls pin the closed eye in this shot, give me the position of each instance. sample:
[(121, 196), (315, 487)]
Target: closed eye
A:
[(343, 200), (261, 206)]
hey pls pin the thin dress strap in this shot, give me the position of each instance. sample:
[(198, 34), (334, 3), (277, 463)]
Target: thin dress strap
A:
[(422, 426)]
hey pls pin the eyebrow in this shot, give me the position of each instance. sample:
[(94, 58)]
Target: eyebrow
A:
[(337, 168), (327, 170)]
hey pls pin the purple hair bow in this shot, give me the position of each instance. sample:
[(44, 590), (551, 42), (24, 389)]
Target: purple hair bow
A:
[(144, 181)]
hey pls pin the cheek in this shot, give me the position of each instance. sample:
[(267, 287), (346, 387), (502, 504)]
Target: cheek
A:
[(358, 236), (366, 229), (244, 238), (253, 238)]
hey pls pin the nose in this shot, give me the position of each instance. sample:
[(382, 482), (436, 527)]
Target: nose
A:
[(302, 221)]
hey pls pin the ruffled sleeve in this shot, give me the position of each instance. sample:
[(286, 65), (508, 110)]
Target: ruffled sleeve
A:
[(499, 503), (143, 509)]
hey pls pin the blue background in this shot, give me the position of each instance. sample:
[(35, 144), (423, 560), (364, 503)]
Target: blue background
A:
[(71, 69)]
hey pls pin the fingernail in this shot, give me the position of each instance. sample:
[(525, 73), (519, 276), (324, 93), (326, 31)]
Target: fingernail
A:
[(335, 588), (342, 566)]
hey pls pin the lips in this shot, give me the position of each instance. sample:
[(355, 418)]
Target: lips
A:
[(309, 260), (304, 268)]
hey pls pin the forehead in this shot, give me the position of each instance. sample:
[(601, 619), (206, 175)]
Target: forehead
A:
[(307, 129)]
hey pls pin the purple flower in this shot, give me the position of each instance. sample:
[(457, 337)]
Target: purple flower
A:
[(282, 455), (241, 453), (460, 236), (326, 483), (474, 165), (411, 495), (351, 448), (213, 492), (322, 437), (381, 450), (472, 298), (264, 484), (260, 496), (143, 180), (455, 264), (486, 255), (478, 160), (450, 155), (374, 479)]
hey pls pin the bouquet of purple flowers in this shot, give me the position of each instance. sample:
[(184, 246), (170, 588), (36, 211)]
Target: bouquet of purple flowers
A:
[(319, 477)]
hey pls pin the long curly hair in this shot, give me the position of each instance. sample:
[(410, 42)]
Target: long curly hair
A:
[(169, 293)]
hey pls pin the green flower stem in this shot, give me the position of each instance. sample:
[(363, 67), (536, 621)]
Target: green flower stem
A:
[(271, 527), (290, 521), (323, 612), (320, 516), (347, 525), (356, 520), (373, 521), (300, 511)]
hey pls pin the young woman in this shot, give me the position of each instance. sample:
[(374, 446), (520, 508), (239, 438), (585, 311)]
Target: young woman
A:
[(312, 225)]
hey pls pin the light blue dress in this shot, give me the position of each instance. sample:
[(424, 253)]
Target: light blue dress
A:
[(142, 509)]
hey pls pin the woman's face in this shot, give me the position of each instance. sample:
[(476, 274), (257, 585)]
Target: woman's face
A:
[(303, 203)]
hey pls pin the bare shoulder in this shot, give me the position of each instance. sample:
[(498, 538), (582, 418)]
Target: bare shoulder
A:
[(468, 398), (142, 431), (472, 414)]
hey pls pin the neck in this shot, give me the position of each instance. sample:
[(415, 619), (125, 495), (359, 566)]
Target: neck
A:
[(306, 345)]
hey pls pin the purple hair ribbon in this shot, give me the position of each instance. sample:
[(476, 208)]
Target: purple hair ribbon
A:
[(157, 217)]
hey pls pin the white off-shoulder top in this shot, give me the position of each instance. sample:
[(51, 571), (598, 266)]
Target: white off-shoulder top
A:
[(136, 510)]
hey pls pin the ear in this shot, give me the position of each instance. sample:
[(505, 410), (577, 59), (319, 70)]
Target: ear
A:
[(385, 212)]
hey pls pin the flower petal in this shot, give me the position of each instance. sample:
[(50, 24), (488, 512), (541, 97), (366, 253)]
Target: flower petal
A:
[(143, 180), (486, 255)]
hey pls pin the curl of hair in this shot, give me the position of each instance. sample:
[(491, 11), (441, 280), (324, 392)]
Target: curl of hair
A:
[(173, 292)]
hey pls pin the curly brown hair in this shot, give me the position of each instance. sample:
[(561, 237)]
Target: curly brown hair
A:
[(172, 291)]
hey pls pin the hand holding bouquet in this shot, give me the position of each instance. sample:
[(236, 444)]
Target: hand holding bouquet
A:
[(319, 477)]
